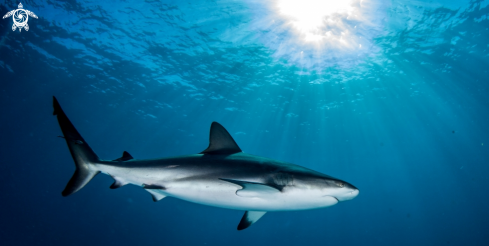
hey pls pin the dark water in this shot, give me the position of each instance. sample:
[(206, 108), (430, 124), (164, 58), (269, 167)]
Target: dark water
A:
[(395, 102)]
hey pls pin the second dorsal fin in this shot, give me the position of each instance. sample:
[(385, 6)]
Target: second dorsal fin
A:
[(125, 157), (220, 141)]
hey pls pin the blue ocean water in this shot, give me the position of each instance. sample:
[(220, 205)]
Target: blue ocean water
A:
[(391, 96)]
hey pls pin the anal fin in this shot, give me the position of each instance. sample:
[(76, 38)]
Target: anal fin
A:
[(249, 218), (117, 183)]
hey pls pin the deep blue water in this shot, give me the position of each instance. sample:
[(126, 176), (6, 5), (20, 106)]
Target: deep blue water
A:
[(395, 100)]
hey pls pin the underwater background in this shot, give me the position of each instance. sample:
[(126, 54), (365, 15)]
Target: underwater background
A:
[(390, 96)]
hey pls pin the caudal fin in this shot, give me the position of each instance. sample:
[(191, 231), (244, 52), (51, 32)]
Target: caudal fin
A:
[(82, 154)]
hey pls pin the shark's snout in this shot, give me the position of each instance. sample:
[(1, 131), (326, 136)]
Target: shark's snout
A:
[(349, 193), (354, 193)]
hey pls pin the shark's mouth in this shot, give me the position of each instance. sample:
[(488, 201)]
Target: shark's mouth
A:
[(330, 201), (332, 197)]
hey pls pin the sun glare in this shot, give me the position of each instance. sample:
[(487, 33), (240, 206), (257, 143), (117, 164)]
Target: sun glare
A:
[(319, 33), (310, 17)]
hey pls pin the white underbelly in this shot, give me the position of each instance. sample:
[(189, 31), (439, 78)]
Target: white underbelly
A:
[(222, 194)]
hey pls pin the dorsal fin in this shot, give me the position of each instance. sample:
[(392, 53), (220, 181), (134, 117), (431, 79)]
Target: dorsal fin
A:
[(220, 141), (125, 157)]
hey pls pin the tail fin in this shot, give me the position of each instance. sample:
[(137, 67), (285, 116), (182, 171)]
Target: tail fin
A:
[(82, 154)]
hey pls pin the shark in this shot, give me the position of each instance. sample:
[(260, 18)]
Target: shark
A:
[(222, 176)]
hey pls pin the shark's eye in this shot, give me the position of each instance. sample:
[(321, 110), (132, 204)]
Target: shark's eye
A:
[(340, 184)]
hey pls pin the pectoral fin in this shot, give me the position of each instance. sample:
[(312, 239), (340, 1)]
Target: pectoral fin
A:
[(252, 189), (249, 218)]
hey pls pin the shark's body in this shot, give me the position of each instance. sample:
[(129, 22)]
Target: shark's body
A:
[(221, 176)]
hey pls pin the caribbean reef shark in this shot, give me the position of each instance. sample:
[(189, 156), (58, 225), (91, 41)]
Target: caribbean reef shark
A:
[(221, 175)]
